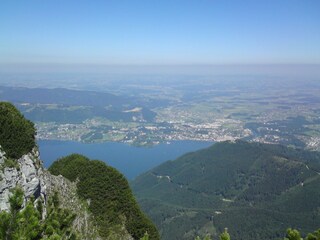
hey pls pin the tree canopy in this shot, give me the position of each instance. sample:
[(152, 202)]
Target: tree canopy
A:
[(17, 134), (111, 200)]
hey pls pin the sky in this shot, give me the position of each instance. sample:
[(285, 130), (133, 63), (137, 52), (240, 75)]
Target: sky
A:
[(159, 32)]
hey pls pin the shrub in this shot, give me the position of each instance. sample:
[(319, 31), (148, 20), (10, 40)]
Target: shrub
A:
[(17, 134)]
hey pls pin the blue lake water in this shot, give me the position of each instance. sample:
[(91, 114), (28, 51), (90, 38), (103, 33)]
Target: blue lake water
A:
[(129, 160)]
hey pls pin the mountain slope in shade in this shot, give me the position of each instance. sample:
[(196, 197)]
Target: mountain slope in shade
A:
[(256, 190)]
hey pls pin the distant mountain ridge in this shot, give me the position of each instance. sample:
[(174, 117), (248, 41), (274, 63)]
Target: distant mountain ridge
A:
[(62, 105), (256, 190), (59, 96)]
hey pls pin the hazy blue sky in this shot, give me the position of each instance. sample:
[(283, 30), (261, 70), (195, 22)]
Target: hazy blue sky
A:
[(159, 31)]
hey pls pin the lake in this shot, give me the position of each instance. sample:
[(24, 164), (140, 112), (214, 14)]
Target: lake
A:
[(129, 160)]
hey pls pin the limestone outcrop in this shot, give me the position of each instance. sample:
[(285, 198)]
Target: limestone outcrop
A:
[(26, 172)]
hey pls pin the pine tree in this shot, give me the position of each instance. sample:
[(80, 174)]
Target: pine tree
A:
[(225, 235), (145, 237), (292, 234), (27, 223), (314, 236)]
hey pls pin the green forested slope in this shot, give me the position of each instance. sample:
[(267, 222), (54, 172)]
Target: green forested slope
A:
[(17, 134), (256, 190), (110, 197)]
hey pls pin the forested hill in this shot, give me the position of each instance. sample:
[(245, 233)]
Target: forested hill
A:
[(111, 200), (256, 190)]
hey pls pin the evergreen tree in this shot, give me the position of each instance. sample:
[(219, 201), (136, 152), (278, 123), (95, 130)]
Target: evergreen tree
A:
[(314, 236), (310, 236), (4, 224), (225, 235), (59, 221), (292, 234), (207, 237), (27, 223), (17, 134), (145, 237)]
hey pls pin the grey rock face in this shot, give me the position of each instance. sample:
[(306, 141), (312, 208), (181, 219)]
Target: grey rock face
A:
[(28, 175), (68, 197), (38, 182)]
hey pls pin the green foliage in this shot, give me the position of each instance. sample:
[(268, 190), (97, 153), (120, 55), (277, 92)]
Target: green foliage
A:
[(10, 163), (205, 238), (310, 236), (58, 221), (292, 234), (255, 189), (111, 200), (145, 236), (225, 235), (17, 135), (4, 224), (18, 223), (27, 223), (16, 200), (314, 236)]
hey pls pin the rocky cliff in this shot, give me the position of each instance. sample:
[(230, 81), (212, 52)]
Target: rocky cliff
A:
[(26, 172)]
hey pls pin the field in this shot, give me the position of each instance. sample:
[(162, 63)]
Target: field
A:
[(204, 108)]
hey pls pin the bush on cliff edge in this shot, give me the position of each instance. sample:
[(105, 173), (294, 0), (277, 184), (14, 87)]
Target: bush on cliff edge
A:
[(17, 134)]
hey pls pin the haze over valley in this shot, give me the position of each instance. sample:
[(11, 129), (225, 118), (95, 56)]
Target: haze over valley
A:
[(257, 108), (149, 120)]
